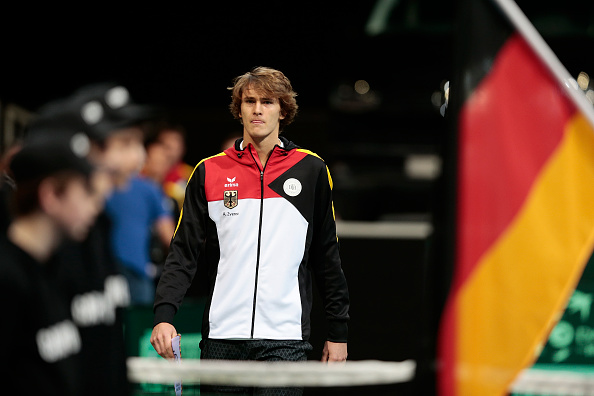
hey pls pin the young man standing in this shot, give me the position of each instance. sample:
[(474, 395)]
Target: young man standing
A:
[(261, 215)]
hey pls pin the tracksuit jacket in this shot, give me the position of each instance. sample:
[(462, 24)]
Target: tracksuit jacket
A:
[(263, 233)]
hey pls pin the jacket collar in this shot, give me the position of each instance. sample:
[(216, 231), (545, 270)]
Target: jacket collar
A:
[(241, 154), (285, 144)]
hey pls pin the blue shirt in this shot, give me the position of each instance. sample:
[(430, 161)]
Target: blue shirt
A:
[(133, 211)]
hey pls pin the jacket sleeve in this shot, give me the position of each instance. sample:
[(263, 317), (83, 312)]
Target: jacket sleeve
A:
[(326, 263), (186, 245)]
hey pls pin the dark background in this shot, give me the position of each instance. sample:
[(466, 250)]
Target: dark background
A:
[(183, 58)]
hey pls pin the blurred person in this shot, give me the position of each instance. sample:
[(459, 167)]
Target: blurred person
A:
[(157, 165), (52, 202), (173, 138), (97, 290), (139, 211), (260, 215)]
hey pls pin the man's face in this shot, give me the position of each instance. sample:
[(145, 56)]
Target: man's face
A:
[(74, 209), (158, 162), (260, 115), (174, 145), (124, 154)]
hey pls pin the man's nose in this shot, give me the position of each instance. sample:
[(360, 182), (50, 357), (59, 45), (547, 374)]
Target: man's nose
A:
[(258, 107)]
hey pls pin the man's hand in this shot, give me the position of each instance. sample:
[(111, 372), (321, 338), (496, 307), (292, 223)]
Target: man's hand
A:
[(161, 339), (334, 352)]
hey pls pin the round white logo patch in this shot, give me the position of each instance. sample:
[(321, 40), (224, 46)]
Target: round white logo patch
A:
[(292, 187)]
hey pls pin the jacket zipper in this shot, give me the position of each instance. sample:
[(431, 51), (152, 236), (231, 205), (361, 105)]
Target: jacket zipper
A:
[(259, 240)]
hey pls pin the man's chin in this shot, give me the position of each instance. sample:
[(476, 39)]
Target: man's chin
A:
[(258, 135)]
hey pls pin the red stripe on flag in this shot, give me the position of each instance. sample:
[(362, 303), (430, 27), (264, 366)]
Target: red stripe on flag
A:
[(508, 129)]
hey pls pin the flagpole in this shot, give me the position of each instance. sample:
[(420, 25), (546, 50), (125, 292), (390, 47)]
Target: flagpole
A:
[(538, 44)]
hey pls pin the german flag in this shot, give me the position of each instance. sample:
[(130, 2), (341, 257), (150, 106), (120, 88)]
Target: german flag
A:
[(525, 193)]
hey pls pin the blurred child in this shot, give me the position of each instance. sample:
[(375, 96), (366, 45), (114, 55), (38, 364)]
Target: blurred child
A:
[(52, 202), (89, 273)]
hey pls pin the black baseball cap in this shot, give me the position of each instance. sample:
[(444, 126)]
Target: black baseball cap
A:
[(37, 160), (97, 110)]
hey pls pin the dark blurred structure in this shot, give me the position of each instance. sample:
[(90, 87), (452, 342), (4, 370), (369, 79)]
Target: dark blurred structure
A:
[(385, 122), (388, 103)]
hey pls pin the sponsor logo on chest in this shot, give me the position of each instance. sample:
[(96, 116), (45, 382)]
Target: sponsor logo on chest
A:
[(230, 197), (231, 182)]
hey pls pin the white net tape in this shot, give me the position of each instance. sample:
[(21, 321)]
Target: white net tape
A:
[(547, 382), (266, 374)]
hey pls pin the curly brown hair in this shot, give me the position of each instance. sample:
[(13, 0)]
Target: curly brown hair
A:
[(270, 82)]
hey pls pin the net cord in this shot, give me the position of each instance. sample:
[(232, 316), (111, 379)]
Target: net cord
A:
[(309, 373)]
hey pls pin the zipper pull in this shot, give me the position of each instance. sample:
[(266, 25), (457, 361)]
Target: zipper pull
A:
[(261, 175)]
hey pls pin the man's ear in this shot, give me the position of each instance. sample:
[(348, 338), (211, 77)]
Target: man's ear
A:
[(47, 194)]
